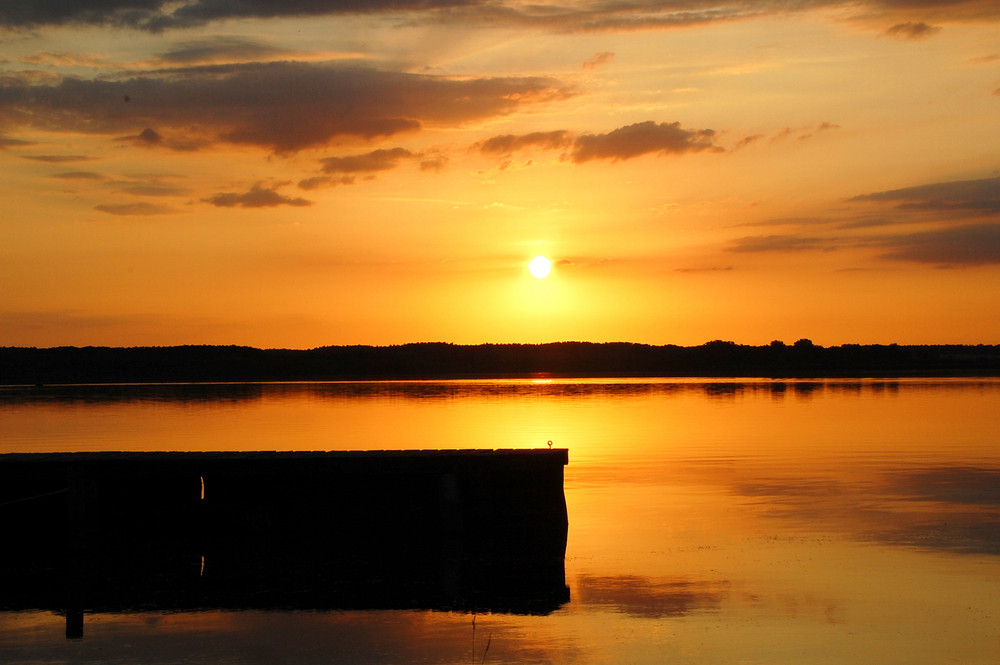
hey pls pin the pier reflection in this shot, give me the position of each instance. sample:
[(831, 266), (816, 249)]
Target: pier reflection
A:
[(476, 531)]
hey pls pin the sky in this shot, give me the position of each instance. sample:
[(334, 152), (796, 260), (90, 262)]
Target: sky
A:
[(303, 173)]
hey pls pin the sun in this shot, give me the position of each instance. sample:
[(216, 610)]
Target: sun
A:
[(540, 267)]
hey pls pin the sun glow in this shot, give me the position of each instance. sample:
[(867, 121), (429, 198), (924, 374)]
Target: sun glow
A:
[(540, 267)]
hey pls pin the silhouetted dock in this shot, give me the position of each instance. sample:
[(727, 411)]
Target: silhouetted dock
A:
[(477, 530)]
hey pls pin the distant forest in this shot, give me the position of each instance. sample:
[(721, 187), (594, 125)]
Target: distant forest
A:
[(803, 359)]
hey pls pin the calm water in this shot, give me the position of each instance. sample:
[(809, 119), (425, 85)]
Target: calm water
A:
[(710, 522)]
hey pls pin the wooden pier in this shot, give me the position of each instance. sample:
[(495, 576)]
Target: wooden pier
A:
[(474, 530)]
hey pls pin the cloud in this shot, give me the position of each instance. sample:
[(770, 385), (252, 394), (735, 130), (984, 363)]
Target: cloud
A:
[(599, 59), (138, 209), (642, 138), (508, 143), (912, 30), (326, 181), (150, 138), (158, 15), (57, 159), (152, 189), (585, 16), (957, 226), (377, 160), (969, 245), (705, 269), (344, 170), (433, 161), (220, 49), (147, 137), (257, 197), (747, 140), (979, 196), (7, 142), (780, 243), (78, 175), (284, 106), (803, 133)]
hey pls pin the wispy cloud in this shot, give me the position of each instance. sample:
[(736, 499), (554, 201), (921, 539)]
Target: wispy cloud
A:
[(981, 196), (258, 196), (8, 142), (803, 133), (57, 159), (969, 245), (78, 175), (642, 138), (141, 209), (219, 50), (781, 243), (377, 160), (955, 221), (599, 59), (912, 30)]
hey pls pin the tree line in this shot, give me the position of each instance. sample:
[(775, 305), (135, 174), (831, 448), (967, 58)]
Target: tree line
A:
[(803, 359)]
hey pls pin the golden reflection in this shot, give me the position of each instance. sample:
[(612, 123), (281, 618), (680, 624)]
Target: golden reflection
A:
[(814, 521)]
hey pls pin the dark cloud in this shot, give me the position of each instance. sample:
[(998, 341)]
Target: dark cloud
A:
[(972, 244), (912, 30), (642, 138), (199, 12), (137, 209), (284, 106), (157, 15), (58, 12), (150, 138), (257, 197), (979, 196), (593, 15)]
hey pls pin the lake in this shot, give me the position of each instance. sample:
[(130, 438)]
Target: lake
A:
[(710, 521)]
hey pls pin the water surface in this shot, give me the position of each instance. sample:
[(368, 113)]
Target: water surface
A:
[(711, 521)]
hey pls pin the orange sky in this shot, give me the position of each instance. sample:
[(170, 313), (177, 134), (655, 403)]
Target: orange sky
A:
[(313, 172)]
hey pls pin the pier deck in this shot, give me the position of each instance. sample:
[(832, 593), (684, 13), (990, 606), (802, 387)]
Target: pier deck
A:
[(479, 530)]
